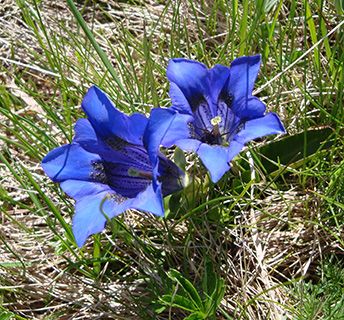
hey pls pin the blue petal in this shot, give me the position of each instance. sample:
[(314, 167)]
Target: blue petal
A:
[(137, 126), (84, 132), (95, 203), (189, 145), (88, 218), (170, 176), (170, 126), (257, 128), (149, 200), (192, 78), (215, 159), (69, 162), (109, 148), (233, 149), (78, 189), (249, 108), (243, 74), (218, 78), (87, 137), (165, 127), (108, 121), (91, 214), (113, 150), (179, 102), (229, 120), (109, 202), (202, 118)]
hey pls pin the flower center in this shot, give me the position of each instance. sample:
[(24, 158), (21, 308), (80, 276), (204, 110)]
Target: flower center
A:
[(124, 179), (213, 136), (216, 121)]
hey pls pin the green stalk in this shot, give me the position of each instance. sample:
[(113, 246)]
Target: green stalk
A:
[(95, 45), (243, 29)]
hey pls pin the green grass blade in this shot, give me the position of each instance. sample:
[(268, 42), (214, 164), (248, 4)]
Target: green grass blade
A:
[(94, 43)]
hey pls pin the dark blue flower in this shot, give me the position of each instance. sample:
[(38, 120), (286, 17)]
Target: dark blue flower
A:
[(106, 168), (213, 112)]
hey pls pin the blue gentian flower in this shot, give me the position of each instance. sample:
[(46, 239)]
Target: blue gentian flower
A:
[(213, 112), (106, 168)]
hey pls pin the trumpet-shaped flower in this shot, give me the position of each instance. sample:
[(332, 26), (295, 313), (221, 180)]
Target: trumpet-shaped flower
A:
[(213, 112), (106, 168)]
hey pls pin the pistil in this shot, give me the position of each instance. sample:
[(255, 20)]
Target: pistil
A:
[(215, 123)]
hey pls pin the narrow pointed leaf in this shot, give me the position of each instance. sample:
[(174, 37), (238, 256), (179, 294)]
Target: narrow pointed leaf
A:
[(188, 287), (292, 149), (178, 301)]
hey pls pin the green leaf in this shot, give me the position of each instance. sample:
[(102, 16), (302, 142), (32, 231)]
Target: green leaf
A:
[(196, 316), (209, 279), (265, 5), (313, 33), (295, 148), (178, 301), (213, 287), (8, 315), (340, 6), (188, 287), (160, 309), (5, 316), (184, 201), (179, 158), (214, 300)]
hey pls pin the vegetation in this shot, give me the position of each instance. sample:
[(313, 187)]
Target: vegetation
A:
[(266, 242)]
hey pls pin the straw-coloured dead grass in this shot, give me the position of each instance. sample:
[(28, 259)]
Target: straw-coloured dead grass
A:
[(254, 258)]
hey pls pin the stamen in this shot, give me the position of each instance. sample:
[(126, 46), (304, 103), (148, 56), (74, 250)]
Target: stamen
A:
[(216, 121)]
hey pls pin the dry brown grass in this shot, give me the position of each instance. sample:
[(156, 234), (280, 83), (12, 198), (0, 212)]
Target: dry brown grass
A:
[(277, 244)]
